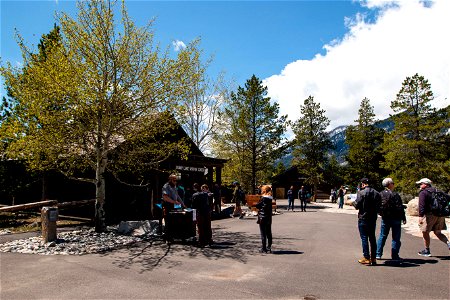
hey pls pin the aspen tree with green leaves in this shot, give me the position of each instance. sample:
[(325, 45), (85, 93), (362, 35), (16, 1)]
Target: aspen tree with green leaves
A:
[(312, 142), (364, 140), (105, 85), (419, 144)]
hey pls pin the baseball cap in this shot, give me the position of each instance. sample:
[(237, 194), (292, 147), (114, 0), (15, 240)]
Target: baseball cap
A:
[(424, 180)]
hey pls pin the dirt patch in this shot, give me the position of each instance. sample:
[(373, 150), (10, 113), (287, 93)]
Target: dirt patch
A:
[(27, 222)]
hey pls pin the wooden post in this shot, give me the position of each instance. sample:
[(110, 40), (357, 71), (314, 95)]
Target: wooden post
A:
[(49, 216)]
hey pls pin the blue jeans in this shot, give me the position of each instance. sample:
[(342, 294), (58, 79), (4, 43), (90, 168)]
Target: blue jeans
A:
[(341, 202), (367, 233), (291, 203), (386, 225), (303, 204)]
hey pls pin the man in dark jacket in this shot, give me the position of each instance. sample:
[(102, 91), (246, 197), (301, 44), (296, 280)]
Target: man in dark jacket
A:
[(368, 203), (392, 215), (202, 202), (427, 221), (302, 197)]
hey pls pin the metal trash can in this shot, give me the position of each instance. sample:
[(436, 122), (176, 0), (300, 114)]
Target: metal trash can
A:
[(180, 224), (49, 216)]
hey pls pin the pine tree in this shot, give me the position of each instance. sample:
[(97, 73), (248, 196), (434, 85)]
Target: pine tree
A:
[(254, 135), (418, 145), (312, 142), (364, 140)]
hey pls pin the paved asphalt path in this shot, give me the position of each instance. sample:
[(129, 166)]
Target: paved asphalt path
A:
[(314, 256)]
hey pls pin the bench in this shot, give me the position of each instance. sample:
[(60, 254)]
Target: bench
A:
[(252, 200)]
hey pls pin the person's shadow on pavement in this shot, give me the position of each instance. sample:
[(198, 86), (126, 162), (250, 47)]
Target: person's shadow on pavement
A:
[(407, 262)]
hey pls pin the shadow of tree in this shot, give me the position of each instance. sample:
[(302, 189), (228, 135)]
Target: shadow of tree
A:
[(154, 253)]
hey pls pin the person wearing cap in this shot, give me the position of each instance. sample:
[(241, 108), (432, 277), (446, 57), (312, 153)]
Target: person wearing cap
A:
[(170, 193), (392, 215), (427, 221), (170, 199), (368, 202)]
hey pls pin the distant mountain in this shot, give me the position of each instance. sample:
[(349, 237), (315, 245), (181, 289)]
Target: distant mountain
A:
[(337, 137)]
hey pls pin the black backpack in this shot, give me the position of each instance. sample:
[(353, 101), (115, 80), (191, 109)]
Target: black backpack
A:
[(387, 204), (440, 203), (241, 196), (391, 204)]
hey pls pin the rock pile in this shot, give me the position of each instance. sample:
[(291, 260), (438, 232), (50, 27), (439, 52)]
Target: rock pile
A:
[(78, 242)]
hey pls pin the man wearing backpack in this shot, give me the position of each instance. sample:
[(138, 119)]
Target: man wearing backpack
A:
[(368, 203), (392, 214), (427, 221)]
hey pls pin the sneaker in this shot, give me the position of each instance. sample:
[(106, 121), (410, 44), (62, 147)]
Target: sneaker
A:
[(448, 244), (364, 261), (425, 252), (397, 258), (378, 257)]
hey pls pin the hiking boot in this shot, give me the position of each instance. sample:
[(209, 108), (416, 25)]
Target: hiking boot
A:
[(425, 252), (364, 261)]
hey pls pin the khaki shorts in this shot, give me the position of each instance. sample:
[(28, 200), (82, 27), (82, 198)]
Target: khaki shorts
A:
[(432, 223)]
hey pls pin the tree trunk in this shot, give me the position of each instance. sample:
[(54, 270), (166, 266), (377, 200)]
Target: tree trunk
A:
[(100, 190), (44, 187)]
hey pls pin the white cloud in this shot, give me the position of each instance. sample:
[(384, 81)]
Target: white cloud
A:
[(371, 61), (178, 45)]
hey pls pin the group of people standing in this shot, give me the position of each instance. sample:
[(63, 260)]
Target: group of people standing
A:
[(302, 195), (389, 205), (338, 194), (202, 200)]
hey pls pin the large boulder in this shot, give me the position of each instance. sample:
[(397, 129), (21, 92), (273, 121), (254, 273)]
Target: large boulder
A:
[(139, 228), (413, 207)]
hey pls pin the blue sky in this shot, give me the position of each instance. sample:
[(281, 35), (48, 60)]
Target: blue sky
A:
[(337, 51)]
